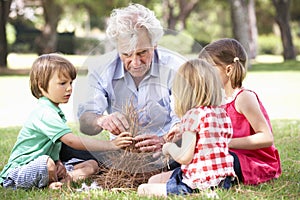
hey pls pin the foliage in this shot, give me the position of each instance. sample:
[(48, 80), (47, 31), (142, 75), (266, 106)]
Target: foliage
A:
[(211, 21), (180, 42), (265, 12), (83, 45), (272, 44), (269, 44), (286, 136)]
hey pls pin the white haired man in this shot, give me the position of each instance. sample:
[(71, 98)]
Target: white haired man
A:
[(138, 71)]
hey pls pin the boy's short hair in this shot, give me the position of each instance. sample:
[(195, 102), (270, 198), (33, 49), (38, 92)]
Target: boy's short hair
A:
[(43, 69)]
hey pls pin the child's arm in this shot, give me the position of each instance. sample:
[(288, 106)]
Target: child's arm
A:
[(185, 153), (85, 143), (247, 104)]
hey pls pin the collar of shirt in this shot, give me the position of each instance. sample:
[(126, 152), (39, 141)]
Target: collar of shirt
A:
[(45, 101)]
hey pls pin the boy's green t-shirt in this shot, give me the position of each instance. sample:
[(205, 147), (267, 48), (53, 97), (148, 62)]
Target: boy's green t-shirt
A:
[(39, 136)]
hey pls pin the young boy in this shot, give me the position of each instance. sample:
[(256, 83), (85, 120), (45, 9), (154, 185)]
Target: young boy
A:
[(34, 160)]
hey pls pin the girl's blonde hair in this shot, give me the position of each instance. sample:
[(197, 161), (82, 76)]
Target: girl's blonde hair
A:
[(196, 84), (224, 52), (43, 69)]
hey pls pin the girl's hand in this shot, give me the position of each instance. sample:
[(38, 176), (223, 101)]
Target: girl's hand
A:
[(122, 140), (60, 170), (165, 148), (174, 134)]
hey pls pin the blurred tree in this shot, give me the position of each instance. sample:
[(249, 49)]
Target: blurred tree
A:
[(282, 18), (240, 23), (177, 11), (265, 16), (4, 11), (244, 26), (295, 10), (210, 20), (47, 41), (253, 33)]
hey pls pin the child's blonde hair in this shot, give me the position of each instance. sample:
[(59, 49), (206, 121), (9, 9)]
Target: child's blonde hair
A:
[(196, 84), (224, 52), (43, 69)]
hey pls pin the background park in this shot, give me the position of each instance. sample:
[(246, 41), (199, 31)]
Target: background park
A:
[(269, 30)]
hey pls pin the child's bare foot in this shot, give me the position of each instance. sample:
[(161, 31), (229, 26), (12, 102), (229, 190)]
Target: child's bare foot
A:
[(68, 179), (55, 185)]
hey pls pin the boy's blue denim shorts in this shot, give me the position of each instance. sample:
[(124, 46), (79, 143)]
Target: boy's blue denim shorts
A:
[(33, 174)]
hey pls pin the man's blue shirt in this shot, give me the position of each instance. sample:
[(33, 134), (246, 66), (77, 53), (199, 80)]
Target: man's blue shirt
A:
[(111, 89)]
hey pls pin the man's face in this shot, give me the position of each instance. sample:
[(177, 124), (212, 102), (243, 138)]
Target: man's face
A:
[(137, 60)]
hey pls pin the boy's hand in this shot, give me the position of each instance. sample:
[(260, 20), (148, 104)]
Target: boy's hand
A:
[(60, 170), (122, 140)]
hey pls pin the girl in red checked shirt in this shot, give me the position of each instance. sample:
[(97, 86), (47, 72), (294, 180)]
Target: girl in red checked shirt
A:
[(205, 130)]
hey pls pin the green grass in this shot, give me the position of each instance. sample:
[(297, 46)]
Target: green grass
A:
[(291, 65), (287, 186)]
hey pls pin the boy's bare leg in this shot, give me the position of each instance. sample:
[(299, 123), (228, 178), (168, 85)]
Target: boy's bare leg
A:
[(53, 180), (84, 170)]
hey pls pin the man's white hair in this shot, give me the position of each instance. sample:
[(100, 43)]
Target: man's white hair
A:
[(125, 23)]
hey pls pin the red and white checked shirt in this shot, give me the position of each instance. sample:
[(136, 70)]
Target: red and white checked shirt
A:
[(211, 162)]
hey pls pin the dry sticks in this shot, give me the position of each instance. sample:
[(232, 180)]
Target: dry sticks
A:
[(128, 168)]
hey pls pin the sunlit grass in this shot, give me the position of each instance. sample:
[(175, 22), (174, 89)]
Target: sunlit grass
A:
[(287, 186)]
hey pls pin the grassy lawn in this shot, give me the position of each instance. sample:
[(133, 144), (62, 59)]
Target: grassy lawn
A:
[(287, 186), (276, 83)]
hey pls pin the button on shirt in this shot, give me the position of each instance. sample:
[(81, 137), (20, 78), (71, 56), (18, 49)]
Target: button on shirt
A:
[(111, 88)]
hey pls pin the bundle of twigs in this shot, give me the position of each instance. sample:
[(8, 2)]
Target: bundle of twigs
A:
[(128, 168)]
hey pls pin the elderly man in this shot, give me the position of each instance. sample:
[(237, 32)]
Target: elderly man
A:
[(139, 73)]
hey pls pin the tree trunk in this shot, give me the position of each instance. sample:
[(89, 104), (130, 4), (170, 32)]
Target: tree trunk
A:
[(240, 23), (4, 11), (185, 8), (169, 17), (253, 33), (282, 19), (47, 41)]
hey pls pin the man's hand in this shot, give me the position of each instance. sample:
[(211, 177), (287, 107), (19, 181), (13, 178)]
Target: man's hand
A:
[(115, 123), (148, 142)]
